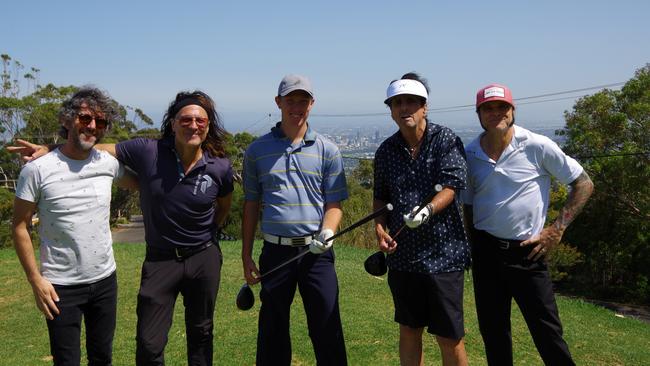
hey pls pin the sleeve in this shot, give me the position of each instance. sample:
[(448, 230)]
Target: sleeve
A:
[(563, 167), (334, 183), (116, 166), (452, 170), (130, 152), (120, 170), (467, 194), (380, 188), (226, 180), (252, 189), (28, 183)]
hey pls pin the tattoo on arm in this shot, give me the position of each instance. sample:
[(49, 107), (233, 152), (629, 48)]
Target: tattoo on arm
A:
[(581, 190)]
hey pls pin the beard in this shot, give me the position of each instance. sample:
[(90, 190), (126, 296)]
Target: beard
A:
[(83, 141)]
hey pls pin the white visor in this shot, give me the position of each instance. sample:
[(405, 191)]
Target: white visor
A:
[(406, 86)]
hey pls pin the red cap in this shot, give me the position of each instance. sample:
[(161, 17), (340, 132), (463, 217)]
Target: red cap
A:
[(494, 92)]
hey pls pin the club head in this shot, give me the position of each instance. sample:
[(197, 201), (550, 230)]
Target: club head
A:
[(376, 264), (245, 298)]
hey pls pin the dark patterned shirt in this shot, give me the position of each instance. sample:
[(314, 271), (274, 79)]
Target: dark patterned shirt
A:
[(440, 245)]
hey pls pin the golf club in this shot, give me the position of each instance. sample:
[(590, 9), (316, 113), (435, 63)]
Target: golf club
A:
[(375, 264), (245, 298)]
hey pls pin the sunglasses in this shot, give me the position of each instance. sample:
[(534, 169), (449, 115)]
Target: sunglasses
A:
[(85, 119), (186, 121)]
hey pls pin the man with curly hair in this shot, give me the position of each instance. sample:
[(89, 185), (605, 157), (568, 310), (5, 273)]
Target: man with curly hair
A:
[(71, 190)]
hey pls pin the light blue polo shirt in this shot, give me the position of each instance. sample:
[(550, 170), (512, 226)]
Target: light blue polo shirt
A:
[(293, 181)]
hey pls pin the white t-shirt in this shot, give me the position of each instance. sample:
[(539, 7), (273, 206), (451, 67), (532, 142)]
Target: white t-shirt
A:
[(510, 197), (73, 198)]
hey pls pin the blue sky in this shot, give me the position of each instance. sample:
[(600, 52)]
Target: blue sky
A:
[(143, 52)]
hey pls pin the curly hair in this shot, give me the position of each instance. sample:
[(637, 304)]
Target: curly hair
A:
[(215, 140), (91, 98)]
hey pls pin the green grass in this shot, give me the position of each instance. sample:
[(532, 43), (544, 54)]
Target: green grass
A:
[(595, 335)]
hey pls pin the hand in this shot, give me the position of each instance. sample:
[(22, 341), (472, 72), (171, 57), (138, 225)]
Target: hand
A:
[(415, 218), (251, 272), (385, 242), (320, 244), (27, 150), (544, 242), (46, 297)]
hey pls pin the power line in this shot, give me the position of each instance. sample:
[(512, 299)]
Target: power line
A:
[(580, 157), (464, 107)]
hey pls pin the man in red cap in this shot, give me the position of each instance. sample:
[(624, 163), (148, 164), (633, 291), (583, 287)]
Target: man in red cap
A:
[(507, 197)]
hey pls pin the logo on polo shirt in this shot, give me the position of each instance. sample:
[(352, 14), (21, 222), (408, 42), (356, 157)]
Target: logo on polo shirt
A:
[(203, 181)]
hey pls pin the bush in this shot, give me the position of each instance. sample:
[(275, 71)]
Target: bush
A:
[(561, 260), (6, 213)]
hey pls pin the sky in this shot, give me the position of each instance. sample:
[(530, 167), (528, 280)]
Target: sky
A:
[(144, 52)]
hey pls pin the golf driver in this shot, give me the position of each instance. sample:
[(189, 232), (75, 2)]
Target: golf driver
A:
[(375, 264), (246, 300)]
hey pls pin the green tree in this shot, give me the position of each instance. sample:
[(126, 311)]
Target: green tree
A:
[(610, 133), (34, 116)]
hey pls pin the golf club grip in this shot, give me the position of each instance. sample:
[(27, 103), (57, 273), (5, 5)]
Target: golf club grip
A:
[(379, 212), (436, 189)]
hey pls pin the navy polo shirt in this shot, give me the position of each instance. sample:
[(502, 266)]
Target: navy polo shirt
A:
[(178, 208), (440, 245)]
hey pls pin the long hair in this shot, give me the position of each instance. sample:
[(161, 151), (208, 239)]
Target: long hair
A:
[(215, 140)]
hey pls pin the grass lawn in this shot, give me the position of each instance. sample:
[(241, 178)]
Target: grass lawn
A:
[(595, 335)]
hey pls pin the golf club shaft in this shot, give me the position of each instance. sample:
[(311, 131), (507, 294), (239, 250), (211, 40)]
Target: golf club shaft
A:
[(436, 189), (379, 212), (372, 216)]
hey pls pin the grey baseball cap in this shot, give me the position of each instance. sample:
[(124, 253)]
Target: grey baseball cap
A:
[(293, 82)]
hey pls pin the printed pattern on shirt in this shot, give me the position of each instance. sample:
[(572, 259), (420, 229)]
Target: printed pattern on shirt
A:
[(440, 245)]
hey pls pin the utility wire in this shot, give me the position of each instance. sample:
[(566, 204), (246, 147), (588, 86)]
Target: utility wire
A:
[(580, 157), (472, 106)]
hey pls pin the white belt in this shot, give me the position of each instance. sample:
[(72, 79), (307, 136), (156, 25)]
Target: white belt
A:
[(288, 240)]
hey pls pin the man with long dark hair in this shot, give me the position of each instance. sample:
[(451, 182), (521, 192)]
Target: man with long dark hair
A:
[(185, 194)]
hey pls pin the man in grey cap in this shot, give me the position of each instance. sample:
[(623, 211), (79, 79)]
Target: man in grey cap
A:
[(296, 176)]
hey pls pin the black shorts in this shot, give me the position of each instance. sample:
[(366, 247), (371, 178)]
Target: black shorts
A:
[(432, 300)]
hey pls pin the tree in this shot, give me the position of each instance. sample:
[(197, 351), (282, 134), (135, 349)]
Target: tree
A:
[(610, 133), (34, 116)]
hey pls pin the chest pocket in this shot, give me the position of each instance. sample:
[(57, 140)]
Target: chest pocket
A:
[(103, 191)]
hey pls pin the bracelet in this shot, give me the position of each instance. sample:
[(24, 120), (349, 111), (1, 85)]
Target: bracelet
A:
[(432, 208)]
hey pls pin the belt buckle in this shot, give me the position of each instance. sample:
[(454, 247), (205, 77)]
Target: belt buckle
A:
[(296, 242), (178, 253), (504, 245)]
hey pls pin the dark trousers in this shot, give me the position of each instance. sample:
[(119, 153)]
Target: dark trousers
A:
[(97, 304), (197, 279), (315, 277), (501, 275)]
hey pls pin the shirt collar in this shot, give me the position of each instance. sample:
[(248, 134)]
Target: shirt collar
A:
[(277, 132), (429, 131)]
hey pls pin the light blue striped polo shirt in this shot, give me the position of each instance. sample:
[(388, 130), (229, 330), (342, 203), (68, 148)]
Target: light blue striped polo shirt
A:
[(293, 181)]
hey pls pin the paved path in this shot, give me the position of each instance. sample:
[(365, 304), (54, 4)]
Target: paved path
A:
[(128, 235), (132, 232)]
